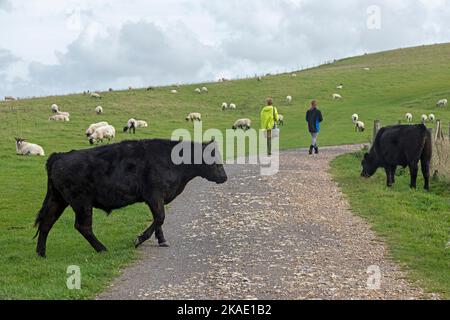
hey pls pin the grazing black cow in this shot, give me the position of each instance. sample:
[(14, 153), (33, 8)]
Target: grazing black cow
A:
[(400, 146), (115, 176)]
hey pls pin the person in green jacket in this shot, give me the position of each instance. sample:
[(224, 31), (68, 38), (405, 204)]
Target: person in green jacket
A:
[(269, 118)]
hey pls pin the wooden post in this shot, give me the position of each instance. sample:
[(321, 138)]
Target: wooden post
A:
[(376, 128)]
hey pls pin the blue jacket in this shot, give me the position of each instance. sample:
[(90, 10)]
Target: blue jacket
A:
[(314, 118)]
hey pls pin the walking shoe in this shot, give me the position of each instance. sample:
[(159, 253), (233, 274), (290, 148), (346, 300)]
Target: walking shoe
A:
[(316, 149), (311, 150)]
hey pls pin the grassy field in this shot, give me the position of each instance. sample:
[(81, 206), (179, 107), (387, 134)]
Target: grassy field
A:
[(407, 80), (416, 224)]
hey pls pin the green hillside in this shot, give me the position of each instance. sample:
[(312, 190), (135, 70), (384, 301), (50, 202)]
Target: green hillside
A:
[(406, 80)]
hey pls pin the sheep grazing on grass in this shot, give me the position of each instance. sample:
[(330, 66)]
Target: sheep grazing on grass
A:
[(424, 118), (340, 87), (59, 117), (174, 91), (24, 148), (204, 89), (198, 90), (409, 117), (337, 96), (360, 126), (432, 118), (366, 69), (224, 106), (442, 103), (99, 110), (141, 124), (95, 95), (55, 108), (9, 98), (244, 124), (280, 120), (355, 118), (232, 106), (192, 117), (103, 133), (294, 75), (289, 99), (131, 126), (94, 127)]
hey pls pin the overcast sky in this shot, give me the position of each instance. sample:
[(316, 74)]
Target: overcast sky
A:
[(56, 47)]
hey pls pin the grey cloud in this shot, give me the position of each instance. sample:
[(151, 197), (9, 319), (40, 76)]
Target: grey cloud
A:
[(5, 5)]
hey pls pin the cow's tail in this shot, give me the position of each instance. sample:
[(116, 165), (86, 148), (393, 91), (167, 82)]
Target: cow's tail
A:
[(51, 193), (427, 152)]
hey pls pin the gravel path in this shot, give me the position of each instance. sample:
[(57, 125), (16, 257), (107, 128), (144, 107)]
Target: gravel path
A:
[(291, 236)]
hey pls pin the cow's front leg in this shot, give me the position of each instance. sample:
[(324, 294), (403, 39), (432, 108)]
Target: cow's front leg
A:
[(414, 169), (393, 172), (157, 208), (388, 177)]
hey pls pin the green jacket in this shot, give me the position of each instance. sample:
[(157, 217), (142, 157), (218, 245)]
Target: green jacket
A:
[(267, 117)]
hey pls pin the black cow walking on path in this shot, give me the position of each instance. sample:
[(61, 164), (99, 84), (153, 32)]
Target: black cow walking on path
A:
[(115, 176), (400, 146)]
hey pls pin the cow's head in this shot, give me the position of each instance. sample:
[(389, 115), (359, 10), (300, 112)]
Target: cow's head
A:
[(212, 167), (369, 165)]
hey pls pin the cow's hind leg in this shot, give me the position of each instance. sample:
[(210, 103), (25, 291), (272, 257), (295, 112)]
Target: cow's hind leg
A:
[(51, 211), (414, 169), (83, 223), (158, 211), (388, 177), (426, 172)]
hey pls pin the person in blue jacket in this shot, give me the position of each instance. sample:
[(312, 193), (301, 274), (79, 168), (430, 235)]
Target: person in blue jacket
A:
[(314, 118)]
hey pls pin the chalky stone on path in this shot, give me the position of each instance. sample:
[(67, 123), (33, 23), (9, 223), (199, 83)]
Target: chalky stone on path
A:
[(290, 236)]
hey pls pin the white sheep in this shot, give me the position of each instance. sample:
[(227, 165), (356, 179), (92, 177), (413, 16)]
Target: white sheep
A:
[(442, 103), (102, 133), (65, 114), (366, 69), (192, 117), (244, 124), (360, 126), (131, 126), (141, 124), (280, 120), (198, 90), (94, 127), (340, 87), (96, 95), (99, 110), (224, 106), (294, 75), (55, 108), (409, 117), (24, 148), (232, 106), (432, 118), (204, 89), (355, 118), (337, 96), (59, 117), (174, 91), (424, 118), (289, 99)]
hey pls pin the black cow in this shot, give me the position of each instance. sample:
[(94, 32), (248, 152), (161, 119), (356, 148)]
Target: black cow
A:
[(400, 146), (115, 176)]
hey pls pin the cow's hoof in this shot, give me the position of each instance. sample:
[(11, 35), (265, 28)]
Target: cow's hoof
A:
[(164, 245), (137, 243), (41, 255)]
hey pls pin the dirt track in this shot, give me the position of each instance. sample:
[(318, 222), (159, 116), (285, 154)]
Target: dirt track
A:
[(291, 236)]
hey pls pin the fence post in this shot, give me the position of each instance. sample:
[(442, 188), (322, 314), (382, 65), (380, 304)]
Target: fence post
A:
[(376, 128)]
